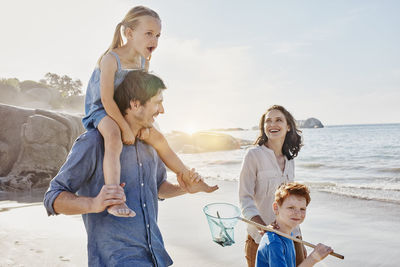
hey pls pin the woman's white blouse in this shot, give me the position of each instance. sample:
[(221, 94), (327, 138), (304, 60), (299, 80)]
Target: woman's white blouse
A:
[(259, 178)]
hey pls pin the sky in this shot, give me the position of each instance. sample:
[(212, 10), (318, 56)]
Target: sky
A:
[(225, 62)]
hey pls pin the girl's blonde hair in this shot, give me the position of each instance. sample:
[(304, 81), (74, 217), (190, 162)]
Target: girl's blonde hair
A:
[(131, 20)]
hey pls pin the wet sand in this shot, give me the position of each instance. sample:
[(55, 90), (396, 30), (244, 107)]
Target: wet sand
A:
[(365, 232)]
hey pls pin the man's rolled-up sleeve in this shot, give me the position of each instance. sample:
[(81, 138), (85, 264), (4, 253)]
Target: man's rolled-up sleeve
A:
[(78, 167), (161, 172)]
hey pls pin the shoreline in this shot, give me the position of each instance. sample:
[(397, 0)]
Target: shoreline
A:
[(365, 232)]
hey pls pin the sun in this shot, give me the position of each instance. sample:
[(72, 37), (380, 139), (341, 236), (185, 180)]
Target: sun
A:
[(190, 129)]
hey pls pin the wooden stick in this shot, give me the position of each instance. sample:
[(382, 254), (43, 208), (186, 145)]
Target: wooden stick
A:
[(270, 229)]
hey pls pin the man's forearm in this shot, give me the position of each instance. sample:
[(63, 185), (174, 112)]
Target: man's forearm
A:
[(168, 190), (69, 204)]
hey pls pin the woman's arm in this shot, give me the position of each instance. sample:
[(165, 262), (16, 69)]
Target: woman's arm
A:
[(108, 67), (247, 184), (258, 220)]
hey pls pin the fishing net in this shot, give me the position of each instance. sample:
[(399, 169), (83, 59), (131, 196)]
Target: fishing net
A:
[(222, 218)]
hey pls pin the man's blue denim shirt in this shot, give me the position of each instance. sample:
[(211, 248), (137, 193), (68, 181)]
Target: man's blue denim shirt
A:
[(116, 241)]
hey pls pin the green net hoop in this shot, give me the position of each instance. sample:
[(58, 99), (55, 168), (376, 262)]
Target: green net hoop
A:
[(222, 218)]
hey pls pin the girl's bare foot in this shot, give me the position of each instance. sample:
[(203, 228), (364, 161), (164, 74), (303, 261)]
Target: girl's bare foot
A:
[(121, 210)]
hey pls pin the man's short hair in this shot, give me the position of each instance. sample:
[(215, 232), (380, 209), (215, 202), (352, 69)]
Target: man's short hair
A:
[(289, 189), (137, 85)]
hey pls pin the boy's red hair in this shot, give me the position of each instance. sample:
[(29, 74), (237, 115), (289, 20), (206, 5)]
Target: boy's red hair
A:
[(293, 188)]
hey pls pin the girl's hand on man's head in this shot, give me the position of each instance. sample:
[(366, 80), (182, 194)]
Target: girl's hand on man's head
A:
[(127, 137), (143, 134)]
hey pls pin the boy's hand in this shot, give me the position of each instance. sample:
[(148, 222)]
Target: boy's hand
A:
[(127, 137), (320, 252), (195, 187), (144, 134), (275, 225)]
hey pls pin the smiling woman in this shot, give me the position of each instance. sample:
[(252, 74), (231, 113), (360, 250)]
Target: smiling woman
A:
[(265, 167)]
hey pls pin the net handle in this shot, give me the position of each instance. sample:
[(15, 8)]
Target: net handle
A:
[(270, 229)]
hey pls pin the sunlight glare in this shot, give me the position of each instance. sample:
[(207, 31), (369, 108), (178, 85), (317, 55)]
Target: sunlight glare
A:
[(190, 129)]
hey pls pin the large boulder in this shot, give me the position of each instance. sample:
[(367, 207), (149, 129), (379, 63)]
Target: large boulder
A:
[(310, 123), (201, 142), (34, 143), (211, 141), (35, 97)]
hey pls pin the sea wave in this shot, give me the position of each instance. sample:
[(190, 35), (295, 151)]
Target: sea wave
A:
[(378, 192), (315, 165), (390, 170), (363, 196), (311, 165), (225, 162), (372, 186), (377, 187), (319, 184)]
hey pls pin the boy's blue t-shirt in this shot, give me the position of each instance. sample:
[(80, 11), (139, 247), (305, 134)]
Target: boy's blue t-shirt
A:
[(275, 251)]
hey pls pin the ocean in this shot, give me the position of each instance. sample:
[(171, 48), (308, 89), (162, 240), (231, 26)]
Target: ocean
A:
[(359, 161)]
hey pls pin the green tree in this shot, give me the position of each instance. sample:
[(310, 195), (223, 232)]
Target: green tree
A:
[(10, 83), (64, 84)]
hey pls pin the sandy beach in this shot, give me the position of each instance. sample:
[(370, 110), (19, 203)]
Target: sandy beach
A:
[(365, 232)]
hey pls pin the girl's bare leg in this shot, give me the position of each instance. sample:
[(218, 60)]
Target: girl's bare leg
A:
[(111, 165)]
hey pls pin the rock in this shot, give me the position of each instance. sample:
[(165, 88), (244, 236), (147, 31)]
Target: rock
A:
[(201, 142), (177, 140), (310, 123), (55, 131), (43, 94), (211, 141), (34, 144), (4, 157), (227, 129), (37, 97)]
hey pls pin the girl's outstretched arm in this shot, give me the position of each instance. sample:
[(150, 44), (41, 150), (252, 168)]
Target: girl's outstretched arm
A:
[(108, 67), (173, 162)]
